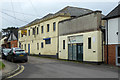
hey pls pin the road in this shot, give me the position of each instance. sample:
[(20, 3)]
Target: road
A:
[(38, 67)]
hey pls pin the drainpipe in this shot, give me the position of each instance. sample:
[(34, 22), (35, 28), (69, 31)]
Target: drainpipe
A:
[(107, 42), (58, 42)]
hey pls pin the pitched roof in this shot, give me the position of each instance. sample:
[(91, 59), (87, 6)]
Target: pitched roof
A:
[(12, 37), (74, 11), (114, 13), (70, 11)]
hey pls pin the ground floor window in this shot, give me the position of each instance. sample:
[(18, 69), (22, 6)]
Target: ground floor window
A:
[(48, 41), (37, 46), (63, 44), (25, 46), (42, 45)]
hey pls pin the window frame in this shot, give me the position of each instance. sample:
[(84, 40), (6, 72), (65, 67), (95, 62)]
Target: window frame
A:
[(42, 45), (54, 26), (28, 32), (37, 46), (63, 44), (48, 27), (37, 30), (89, 43), (48, 41), (42, 29)]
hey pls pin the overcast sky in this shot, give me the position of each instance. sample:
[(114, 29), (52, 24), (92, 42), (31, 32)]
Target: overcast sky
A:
[(16, 13)]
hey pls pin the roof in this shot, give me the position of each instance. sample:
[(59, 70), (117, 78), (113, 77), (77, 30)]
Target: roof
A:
[(114, 13), (74, 11), (67, 11), (12, 37)]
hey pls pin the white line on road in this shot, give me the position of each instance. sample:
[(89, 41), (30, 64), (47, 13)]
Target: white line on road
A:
[(22, 69)]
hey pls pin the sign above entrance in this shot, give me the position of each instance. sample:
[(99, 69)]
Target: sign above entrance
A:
[(75, 39)]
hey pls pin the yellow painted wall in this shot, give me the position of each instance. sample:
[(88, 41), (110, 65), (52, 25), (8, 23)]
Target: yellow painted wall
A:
[(88, 54), (49, 49)]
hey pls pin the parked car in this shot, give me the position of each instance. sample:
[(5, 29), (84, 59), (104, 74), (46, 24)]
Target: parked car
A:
[(17, 54), (5, 53)]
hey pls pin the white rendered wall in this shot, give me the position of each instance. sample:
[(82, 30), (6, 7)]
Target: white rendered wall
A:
[(112, 30)]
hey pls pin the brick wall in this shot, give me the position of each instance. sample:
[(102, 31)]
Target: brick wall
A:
[(111, 54), (14, 43)]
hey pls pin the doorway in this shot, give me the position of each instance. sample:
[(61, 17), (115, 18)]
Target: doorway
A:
[(28, 48), (80, 52), (118, 55), (75, 52)]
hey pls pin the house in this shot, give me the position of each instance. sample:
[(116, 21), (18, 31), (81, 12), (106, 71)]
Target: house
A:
[(112, 47), (2, 41), (40, 37), (10, 41), (81, 38)]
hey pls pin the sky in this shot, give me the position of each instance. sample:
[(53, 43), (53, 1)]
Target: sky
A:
[(17, 13)]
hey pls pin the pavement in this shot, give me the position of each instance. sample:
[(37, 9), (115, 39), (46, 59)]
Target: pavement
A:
[(10, 68)]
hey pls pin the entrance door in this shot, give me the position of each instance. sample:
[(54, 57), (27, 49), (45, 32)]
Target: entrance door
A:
[(28, 48), (70, 51), (80, 52), (118, 55), (74, 52)]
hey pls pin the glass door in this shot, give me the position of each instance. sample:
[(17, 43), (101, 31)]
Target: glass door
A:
[(80, 52), (118, 55)]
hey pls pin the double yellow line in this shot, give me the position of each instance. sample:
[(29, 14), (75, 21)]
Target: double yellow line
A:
[(22, 69)]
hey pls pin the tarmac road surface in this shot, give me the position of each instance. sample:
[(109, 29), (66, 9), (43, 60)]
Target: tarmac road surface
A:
[(38, 67)]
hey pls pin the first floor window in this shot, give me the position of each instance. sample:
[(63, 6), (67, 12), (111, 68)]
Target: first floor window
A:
[(29, 32), (47, 27), (54, 26), (37, 30), (42, 29), (42, 45)]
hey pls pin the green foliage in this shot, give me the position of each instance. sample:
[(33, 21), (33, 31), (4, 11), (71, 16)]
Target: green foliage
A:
[(1, 65)]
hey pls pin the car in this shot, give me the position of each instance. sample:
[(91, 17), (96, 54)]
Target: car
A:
[(17, 54), (5, 52)]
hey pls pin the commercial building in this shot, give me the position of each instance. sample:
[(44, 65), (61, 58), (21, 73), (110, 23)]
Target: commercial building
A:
[(81, 38), (112, 47), (40, 37)]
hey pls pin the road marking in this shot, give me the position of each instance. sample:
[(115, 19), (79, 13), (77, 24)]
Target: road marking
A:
[(22, 69)]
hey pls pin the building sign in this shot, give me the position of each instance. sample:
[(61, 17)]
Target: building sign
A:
[(75, 39), (24, 32)]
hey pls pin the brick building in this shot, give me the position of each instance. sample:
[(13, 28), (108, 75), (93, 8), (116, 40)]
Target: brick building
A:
[(112, 47)]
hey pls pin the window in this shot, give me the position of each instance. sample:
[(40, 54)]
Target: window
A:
[(47, 27), (37, 30), (22, 47), (25, 46), (42, 45), (89, 43), (63, 44), (42, 28), (21, 35), (29, 32), (54, 26), (37, 46), (33, 31), (48, 41)]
